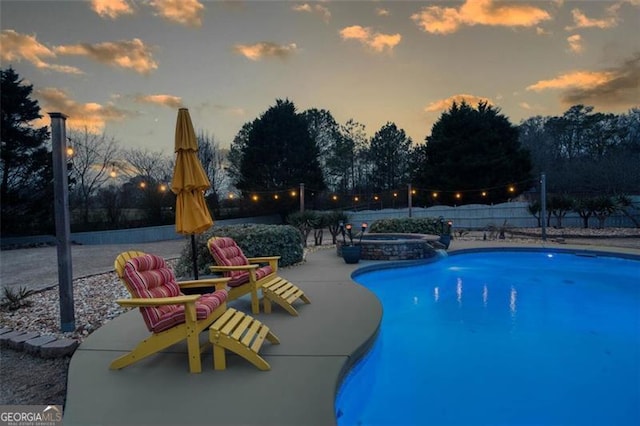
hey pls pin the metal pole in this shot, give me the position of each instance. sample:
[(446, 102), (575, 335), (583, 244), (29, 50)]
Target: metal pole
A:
[(543, 205), (409, 198), (63, 220), (301, 197)]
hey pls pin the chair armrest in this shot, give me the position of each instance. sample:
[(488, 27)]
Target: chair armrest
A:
[(158, 301), (218, 283), (233, 268), (272, 260), (263, 259)]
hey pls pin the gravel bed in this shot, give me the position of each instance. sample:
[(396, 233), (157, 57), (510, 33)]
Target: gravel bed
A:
[(94, 304)]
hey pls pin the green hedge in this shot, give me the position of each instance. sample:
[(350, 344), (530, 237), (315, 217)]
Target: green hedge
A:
[(254, 240), (407, 226)]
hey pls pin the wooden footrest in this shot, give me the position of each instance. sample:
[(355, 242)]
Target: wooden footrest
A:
[(241, 334), (283, 293)]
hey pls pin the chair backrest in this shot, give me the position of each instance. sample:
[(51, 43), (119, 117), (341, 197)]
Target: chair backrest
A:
[(122, 258), (148, 276), (226, 252)]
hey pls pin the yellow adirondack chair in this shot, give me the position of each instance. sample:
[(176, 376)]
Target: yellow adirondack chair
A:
[(172, 317), (247, 276)]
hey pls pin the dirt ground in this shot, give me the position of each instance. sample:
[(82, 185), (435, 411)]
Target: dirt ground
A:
[(31, 380)]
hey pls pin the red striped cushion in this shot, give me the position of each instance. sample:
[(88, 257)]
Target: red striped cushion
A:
[(243, 277), (226, 252), (149, 276)]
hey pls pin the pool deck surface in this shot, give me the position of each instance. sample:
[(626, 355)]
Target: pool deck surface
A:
[(316, 349)]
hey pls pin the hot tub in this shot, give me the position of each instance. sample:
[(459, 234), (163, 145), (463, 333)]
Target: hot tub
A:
[(394, 246)]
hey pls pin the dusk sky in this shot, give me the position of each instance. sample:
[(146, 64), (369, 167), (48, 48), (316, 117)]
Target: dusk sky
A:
[(124, 67)]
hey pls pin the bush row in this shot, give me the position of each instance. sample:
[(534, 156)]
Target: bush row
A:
[(254, 240), (409, 226)]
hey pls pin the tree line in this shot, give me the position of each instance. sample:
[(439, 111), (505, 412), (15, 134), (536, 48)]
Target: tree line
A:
[(473, 150)]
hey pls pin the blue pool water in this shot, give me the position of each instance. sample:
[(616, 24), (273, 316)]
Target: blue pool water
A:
[(501, 338)]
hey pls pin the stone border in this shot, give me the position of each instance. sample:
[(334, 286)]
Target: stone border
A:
[(37, 345)]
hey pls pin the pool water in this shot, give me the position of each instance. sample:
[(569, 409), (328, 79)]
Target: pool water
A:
[(501, 338)]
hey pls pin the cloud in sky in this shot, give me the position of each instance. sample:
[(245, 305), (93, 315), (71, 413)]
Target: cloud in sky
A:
[(16, 47), (128, 54), (445, 104), (265, 49), (318, 9), (616, 87), (365, 35), (185, 12), (580, 20), (162, 100), (447, 20), (382, 12), (111, 8), (575, 43), (92, 116)]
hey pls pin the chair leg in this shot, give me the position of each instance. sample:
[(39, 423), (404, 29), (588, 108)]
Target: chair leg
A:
[(255, 301), (219, 358), (193, 350), (266, 305)]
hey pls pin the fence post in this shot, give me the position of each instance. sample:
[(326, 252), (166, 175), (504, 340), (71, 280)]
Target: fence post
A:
[(543, 205), (409, 198), (301, 197), (63, 220)]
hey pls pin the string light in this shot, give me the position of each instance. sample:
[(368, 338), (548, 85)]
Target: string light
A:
[(143, 185), (388, 196), (69, 151), (163, 187)]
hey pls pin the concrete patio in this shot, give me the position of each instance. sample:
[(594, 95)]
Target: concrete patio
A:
[(316, 349)]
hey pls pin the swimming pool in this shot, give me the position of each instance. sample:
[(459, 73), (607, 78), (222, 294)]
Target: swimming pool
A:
[(501, 338)]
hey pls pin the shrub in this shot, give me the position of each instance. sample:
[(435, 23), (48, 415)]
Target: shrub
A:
[(304, 222), (407, 226), (254, 240), (15, 299)]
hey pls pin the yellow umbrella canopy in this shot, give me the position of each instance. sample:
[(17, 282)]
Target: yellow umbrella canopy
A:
[(189, 180)]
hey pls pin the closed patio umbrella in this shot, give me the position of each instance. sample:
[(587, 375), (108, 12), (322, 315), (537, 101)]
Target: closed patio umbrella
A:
[(189, 183)]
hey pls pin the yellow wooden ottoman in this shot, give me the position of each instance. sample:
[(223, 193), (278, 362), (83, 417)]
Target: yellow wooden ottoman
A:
[(242, 334)]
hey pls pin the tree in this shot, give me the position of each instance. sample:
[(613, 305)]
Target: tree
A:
[(93, 160), (25, 162), (150, 175), (212, 159), (347, 163), (586, 152), (236, 150), (279, 154), (325, 132), (472, 150), (389, 156)]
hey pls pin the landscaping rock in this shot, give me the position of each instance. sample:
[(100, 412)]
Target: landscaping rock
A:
[(58, 348), (4, 338), (17, 342), (33, 346)]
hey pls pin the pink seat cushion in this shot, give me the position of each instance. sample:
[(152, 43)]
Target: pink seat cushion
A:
[(149, 276), (226, 252)]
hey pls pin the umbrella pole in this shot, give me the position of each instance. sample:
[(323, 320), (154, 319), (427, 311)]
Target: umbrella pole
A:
[(194, 255)]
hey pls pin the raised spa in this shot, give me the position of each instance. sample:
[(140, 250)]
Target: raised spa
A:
[(394, 246)]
